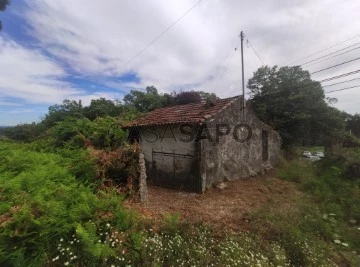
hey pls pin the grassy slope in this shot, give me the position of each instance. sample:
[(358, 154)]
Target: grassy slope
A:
[(46, 209), (332, 210)]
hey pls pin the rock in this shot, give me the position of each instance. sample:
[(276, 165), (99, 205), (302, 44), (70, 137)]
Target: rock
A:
[(221, 185)]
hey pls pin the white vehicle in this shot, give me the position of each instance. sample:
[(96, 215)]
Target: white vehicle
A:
[(307, 154), (314, 158), (319, 154)]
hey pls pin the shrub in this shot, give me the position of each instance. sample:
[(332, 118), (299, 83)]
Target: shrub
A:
[(45, 202)]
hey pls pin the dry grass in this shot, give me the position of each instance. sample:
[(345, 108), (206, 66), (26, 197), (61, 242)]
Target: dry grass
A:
[(222, 207)]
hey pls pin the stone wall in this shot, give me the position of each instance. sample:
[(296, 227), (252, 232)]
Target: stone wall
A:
[(229, 159), (142, 181), (196, 166)]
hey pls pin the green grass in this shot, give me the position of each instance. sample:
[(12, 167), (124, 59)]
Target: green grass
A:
[(51, 214), (331, 205)]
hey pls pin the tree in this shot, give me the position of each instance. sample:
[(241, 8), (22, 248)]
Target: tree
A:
[(292, 103), (25, 132), (353, 124), (146, 101), (57, 113), (101, 108), (186, 97), (3, 4)]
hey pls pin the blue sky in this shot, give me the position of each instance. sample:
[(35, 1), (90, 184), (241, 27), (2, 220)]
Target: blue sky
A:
[(17, 29), (65, 49)]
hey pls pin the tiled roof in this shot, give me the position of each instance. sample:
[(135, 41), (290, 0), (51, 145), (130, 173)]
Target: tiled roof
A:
[(189, 113)]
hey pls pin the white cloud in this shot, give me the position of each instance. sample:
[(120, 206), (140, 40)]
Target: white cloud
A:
[(97, 38), (28, 75)]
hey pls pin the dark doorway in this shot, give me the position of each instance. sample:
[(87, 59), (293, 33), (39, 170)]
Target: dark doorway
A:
[(177, 171), (265, 145)]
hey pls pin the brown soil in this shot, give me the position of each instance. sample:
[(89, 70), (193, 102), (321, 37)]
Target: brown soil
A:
[(219, 207)]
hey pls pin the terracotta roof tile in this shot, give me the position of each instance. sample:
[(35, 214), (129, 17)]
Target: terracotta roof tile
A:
[(189, 113)]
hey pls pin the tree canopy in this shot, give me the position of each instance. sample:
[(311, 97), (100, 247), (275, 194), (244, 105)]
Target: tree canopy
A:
[(3, 5), (186, 97), (100, 108), (292, 103), (353, 124), (57, 113), (146, 101)]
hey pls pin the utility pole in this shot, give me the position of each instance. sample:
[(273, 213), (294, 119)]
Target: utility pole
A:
[(242, 72)]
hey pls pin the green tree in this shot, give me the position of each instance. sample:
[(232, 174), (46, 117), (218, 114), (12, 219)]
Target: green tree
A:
[(3, 5), (68, 109), (186, 97), (292, 103), (353, 124), (146, 101), (25, 132), (102, 107)]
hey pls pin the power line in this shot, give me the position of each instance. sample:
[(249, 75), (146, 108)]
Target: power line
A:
[(317, 52), (336, 65), (342, 89), (160, 35), (333, 56), (255, 51), (340, 76), (315, 82), (340, 82), (330, 54)]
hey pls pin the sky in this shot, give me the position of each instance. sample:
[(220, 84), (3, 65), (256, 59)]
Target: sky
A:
[(83, 49)]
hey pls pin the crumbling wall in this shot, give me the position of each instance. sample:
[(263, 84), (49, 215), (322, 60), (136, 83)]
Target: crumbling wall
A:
[(229, 159)]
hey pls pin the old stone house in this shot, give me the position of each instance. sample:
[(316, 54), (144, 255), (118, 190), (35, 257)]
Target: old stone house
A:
[(193, 146)]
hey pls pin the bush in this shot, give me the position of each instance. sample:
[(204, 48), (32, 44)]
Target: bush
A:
[(74, 133), (43, 202)]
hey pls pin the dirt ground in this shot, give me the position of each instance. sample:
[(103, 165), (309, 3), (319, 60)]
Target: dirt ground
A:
[(219, 207)]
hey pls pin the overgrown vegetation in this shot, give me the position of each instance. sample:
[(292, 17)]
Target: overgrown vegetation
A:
[(42, 200), (62, 187), (50, 217), (331, 211)]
